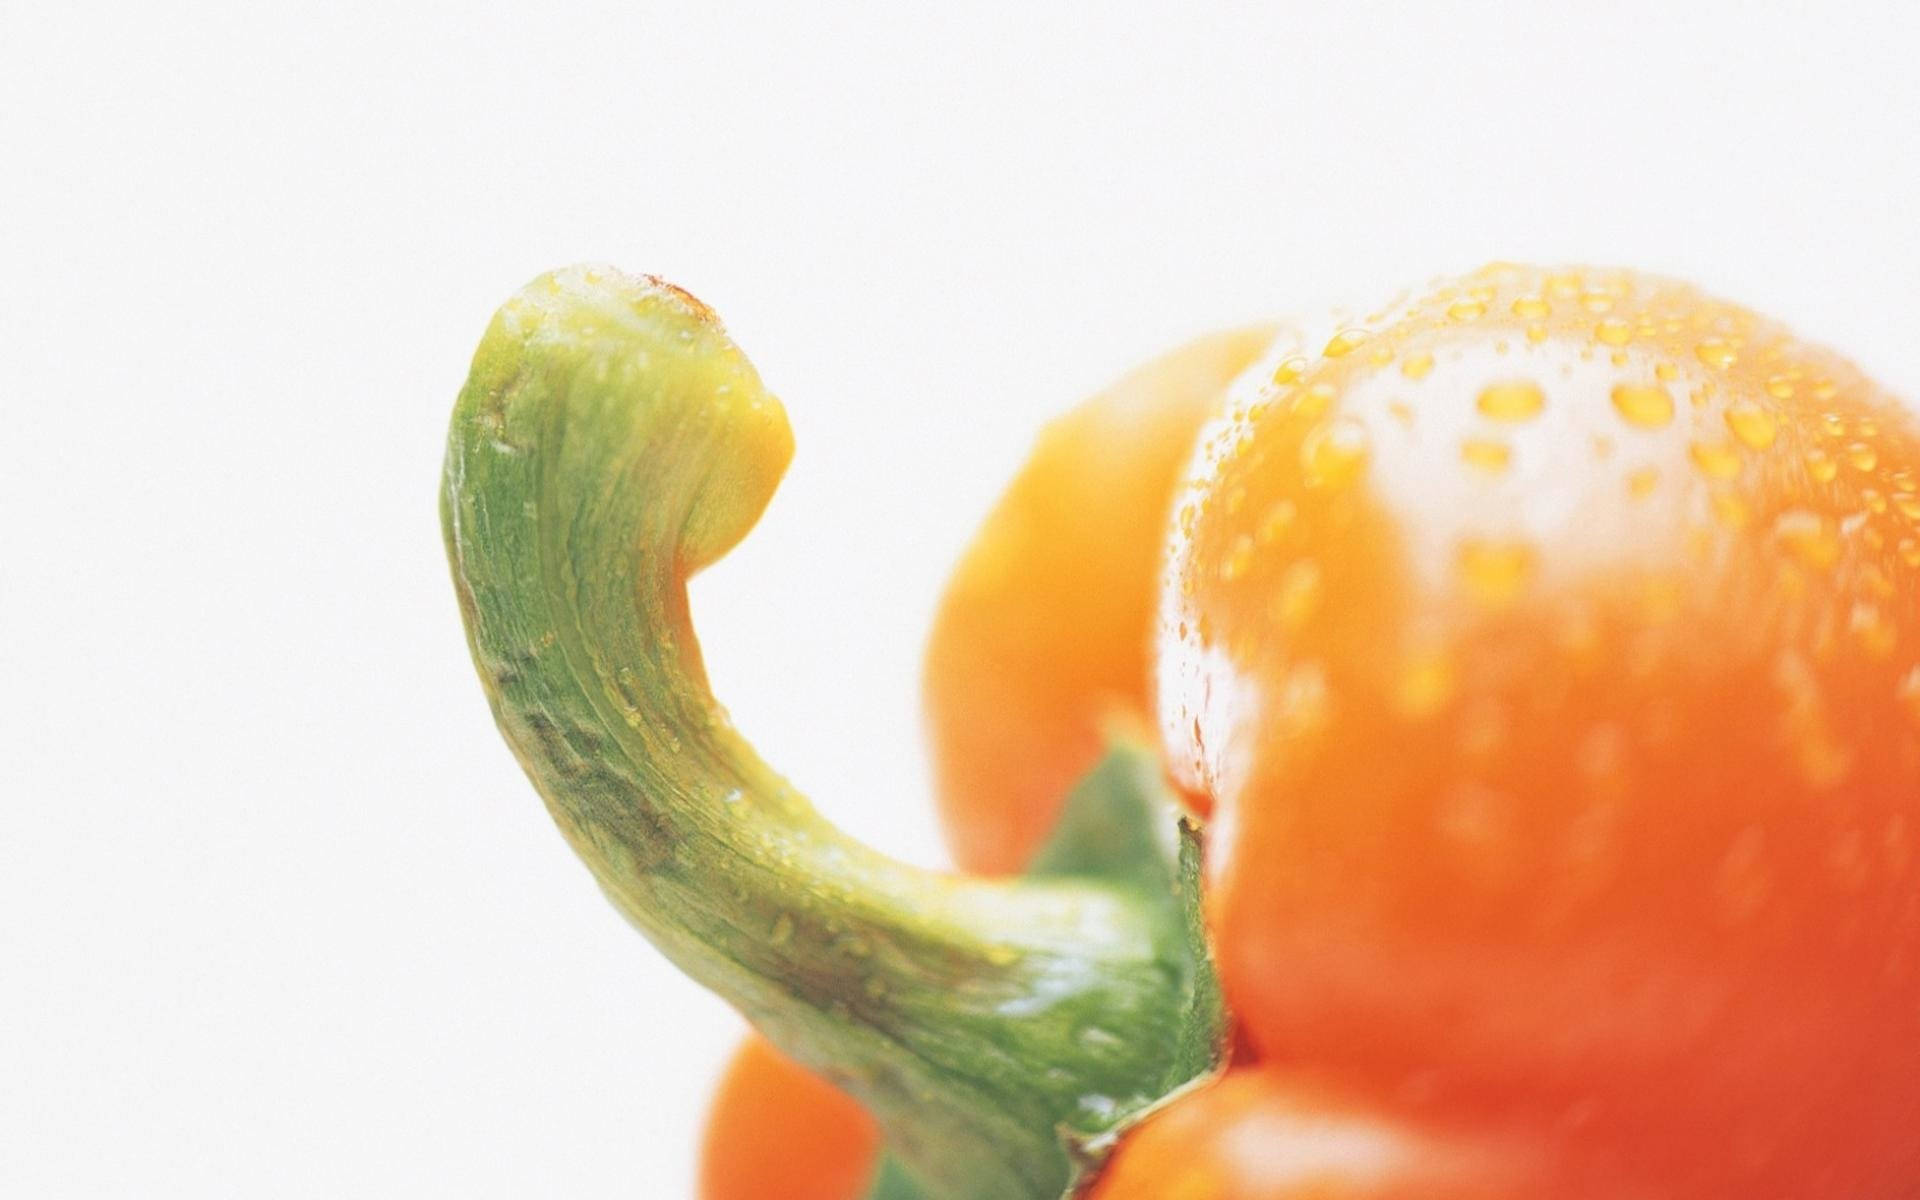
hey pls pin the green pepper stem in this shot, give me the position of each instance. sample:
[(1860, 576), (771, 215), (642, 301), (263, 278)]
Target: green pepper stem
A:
[(611, 441)]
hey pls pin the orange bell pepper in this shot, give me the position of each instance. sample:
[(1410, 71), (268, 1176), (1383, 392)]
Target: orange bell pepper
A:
[(1544, 648)]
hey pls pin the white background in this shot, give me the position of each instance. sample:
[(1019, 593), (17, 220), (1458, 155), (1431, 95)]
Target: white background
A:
[(278, 914)]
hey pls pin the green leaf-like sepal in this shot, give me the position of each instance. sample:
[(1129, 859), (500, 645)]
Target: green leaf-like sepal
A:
[(1122, 827)]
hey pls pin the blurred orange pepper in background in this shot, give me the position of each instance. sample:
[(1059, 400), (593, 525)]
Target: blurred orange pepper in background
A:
[(1045, 632), (777, 1129)]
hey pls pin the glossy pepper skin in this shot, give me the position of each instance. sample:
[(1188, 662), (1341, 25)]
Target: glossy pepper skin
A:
[(1264, 1135), (1545, 647), (1549, 645)]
